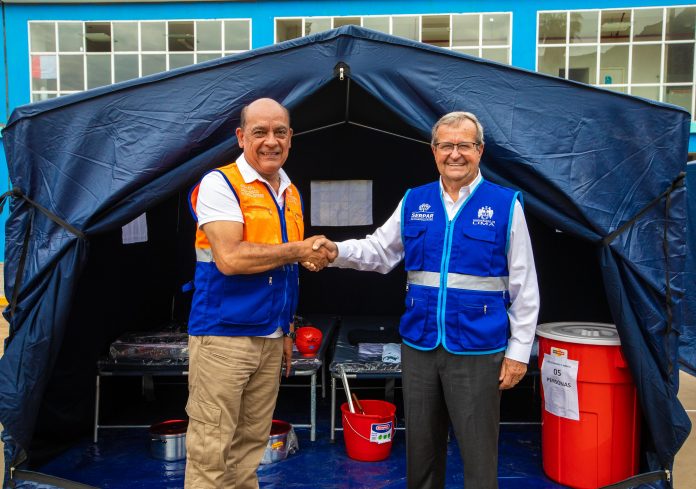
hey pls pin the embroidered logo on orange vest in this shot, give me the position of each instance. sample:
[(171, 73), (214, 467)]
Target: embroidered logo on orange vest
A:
[(250, 191), (291, 199)]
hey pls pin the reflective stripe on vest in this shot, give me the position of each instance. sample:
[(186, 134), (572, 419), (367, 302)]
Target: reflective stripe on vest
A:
[(459, 281), (204, 255)]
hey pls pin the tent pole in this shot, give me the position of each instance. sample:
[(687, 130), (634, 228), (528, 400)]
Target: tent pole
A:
[(176, 252), (347, 118)]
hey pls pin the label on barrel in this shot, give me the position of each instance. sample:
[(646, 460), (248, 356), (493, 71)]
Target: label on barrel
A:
[(381, 432), (559, 376)]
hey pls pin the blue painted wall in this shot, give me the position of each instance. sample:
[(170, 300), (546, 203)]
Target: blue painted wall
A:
[(5, 111), (262, 14)]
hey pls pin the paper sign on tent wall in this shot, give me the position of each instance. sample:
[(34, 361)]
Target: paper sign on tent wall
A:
[(341, 202), (135, 231)]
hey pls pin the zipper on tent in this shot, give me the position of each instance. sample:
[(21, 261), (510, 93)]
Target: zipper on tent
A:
[(341, 70)]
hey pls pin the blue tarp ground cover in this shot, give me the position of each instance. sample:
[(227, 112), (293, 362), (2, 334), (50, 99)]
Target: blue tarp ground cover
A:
[(597, 165)]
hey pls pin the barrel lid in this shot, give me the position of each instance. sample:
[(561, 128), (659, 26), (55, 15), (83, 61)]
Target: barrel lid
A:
[(580, 332)]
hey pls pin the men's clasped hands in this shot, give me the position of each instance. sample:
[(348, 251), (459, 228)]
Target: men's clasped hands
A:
[(320, 251)]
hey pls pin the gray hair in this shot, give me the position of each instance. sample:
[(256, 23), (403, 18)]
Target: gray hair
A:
[(455, 119)]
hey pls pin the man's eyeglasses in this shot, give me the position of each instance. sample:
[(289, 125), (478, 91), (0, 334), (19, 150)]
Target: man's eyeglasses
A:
[(463, 148)]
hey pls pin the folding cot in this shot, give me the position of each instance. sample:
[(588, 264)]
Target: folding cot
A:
[(148, 355)]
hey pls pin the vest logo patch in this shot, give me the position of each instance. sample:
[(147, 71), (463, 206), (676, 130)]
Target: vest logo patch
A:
[(251, 192), (423, 214), (485, 214), (291, 199)]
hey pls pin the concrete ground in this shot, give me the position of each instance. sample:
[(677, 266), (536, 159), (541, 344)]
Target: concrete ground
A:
[(684, 471)]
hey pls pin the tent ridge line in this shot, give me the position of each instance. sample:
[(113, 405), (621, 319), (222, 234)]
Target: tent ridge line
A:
[(328, 126), (388, 132), (364, 126)]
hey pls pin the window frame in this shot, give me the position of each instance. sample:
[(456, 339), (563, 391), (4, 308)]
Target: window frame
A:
[(36, 95), (628, 86), (480, 47)]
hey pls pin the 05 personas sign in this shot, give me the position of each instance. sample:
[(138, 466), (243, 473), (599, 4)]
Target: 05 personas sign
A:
[(559, 379)]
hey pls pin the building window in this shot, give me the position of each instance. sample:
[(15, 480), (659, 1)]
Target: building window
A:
[(68, 57), (647, 52), (483, 35)]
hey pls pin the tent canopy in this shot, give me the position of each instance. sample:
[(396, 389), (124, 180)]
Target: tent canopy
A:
[(604, 169)]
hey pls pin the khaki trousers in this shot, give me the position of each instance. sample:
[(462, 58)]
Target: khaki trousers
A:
[(233, 386)]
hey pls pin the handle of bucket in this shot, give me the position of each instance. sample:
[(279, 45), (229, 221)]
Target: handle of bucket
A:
[(345, 418), (393, 430)]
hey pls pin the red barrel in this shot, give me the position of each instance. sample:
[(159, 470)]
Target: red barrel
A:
[(601, 447)]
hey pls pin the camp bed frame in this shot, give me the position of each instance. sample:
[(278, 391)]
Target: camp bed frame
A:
[(301, 367)]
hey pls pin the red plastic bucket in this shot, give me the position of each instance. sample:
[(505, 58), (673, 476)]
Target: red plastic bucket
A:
[(600, 448), (369, 436)]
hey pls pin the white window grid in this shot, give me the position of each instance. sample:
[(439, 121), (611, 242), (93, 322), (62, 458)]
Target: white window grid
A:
[(42, 94), (629, 85), (480, 47)]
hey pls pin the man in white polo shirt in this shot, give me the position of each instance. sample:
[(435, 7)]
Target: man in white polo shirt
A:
[(248, 243)]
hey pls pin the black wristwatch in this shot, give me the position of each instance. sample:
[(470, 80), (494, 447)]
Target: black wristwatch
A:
[(290, 334)]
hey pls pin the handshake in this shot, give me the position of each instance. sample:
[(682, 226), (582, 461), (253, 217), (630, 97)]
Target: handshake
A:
[(317, 253)]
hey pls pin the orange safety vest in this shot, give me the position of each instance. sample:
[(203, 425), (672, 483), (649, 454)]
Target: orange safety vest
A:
[(261, 217)]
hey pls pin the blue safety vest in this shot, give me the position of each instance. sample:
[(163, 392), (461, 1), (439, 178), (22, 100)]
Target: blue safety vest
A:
[(254, 304), (457, 293)]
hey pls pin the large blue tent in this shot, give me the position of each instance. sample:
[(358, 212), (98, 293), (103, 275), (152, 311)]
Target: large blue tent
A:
[(602, 176)]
